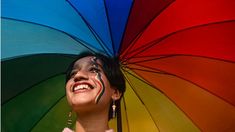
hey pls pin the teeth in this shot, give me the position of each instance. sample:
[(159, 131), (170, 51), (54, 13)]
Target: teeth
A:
[(83, 86)]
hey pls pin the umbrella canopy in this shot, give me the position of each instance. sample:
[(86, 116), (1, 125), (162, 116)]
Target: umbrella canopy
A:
[(177, 57)]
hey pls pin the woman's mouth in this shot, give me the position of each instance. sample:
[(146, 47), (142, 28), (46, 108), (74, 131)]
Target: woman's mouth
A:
[(81, 87)]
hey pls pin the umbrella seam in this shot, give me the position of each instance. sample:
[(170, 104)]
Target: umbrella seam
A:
[(158, 40), (92, 30), (78, 40), (142, 102), (146, 25)]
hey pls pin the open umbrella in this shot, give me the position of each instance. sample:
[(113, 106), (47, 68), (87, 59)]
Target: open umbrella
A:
[(177, 57)]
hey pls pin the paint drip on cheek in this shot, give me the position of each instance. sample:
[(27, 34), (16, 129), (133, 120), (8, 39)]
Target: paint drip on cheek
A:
[(99, 81)]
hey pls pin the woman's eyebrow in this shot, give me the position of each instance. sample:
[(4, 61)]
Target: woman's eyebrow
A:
[(92, 63), (76, 66)]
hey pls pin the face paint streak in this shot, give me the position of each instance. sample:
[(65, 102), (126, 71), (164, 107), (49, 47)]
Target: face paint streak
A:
[(101, 91), (99, 80)]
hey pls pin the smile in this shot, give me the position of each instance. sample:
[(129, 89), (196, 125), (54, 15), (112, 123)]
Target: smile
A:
[(81, 87)]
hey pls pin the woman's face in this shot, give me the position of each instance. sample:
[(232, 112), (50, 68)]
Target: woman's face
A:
[(88, 86)]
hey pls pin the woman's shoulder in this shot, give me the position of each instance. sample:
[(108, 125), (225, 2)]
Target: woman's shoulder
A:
[(66, 129), (110, 130)]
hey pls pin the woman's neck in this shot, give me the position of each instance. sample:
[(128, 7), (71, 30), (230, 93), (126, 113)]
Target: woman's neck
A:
[(92, 123)]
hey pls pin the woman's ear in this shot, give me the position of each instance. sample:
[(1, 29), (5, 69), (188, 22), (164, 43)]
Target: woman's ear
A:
[(116, 94)]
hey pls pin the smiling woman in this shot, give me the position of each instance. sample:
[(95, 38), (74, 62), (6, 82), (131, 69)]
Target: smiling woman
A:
[(93, 84)]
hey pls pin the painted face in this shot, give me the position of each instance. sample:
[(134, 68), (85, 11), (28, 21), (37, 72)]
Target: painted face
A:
[(88, 84)]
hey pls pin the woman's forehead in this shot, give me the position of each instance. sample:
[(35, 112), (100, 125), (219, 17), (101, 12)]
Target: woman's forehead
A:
[(87, 61)]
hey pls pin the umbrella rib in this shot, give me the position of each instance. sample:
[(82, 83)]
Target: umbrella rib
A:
[(124, 32), (46, 112), (110, 32), (167, 73), (150, 58), (80, 41), (30, 87), (175, 55), (157, 41), (22, 56), (143, 48), (135, 38), (161, 72), (166, 96), (83, 43), (134, 90), (142, 102), (144, 81), (125, 56), (102, 44)]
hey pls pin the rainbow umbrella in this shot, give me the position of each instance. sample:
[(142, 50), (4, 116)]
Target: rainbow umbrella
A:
[(177, 57)]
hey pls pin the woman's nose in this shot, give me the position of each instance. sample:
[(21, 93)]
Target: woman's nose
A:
[(81, 75)]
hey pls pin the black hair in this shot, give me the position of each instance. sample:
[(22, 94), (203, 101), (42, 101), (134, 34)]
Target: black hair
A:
[(112, 71)]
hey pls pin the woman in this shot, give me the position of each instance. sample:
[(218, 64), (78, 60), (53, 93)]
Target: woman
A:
[(94, 83)]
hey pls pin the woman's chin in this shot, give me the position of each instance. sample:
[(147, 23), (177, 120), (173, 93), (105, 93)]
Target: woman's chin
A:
[(82, 103), (81, 99)]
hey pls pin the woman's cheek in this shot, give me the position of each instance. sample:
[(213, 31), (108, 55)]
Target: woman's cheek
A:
[(68, 86)]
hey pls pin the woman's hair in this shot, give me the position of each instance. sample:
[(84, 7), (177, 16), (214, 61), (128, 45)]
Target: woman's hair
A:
[(112, 71)]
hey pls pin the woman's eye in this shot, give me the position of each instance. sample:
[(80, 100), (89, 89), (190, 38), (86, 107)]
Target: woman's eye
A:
[(95, 70), (72, 74)]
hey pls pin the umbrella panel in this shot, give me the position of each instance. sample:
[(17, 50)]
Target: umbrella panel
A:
[(195, 41), (94, 14), (27, 109), (217, 76), (206, 110), (55, 14), (178, 17), (141, 15), (20, 74), (161, 110)]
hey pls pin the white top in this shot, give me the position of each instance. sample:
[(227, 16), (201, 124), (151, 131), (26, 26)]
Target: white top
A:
[(66, 129)]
